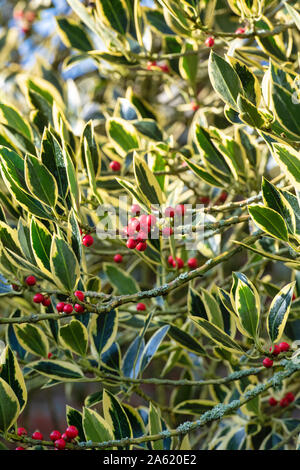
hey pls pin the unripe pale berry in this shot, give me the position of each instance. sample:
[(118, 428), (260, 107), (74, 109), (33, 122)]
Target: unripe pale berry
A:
[(55, 435), (131, 243), (30, 280), (60, 306), (209, 42), (272, 401), (135, 209), (284, 347), (240, 31), (192, 263), (169, 212), (38, 298), (71, 432), (22, 432), (46, 302), (37, 435), (68, 308), (118, 258), (141, 246), (275, 350), (60, 444), (79, 295), (115, 166), (194, 106), (78, 308), (87, 240), (267, 362), (140, 307), (151, 64)]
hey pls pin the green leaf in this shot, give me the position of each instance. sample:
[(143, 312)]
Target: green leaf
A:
[(115, 416), (287, 112), (155, 426), (273, 198), (204, 174), (74, 235), (73, 35), (210, 153), (74, 418), (72, 178), (248, 308), (279, 311), (64, 265), (188, 65), (249, 113), (224, 80), (9, 406), (32, 339), (269, 221), (103, 329), (217, 335), (194, 407), (12, 374), (148, 128), (9, 238), (294, 14), (52, 158), (114, 14), (146, 182), (250, 83), (58, 370), (122, 134), (289, 161), (152, 346), (124, 283), (185, 340), (40, 181), (96, 429), (74, 336), (11, 117), (156, 19), (41, 244)]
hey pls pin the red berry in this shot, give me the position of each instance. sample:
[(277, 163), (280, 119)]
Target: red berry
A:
[(192, 263), (15, 287), (118, 258), (164, 68), (20, 448), (169, 212), (38, 298), (30, 280), (140, 307), (115, 166), (290, 397), (142, 236), (65, 437), (194, 106), (55, 435), (180, 209), (204, 200), (37, 435), (18, 14), (134, 226), (151, 64), (284, 347), (79, 295), (275, 350), (141, 246), (30, 16), (267, 362), (22, 432), (170, 260), (147, 222), (72, 432), (46, 302), (60, 306), (178, 263), (223, 196), (294, 297), (60, 444), (167, 232), (131, 243), (88, 240), (50, 355), (79, 308), (135, 209), (284, 403), (272, 401), (240, 31), (209, 42), (68, 308)]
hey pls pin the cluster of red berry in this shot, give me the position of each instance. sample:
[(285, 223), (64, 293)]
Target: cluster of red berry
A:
[(37, 298), (25, 20), (63, 307), (284, 402), (59, 440), (275, 350)]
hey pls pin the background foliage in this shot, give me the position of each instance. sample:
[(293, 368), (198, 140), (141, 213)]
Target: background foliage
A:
[(87, 83)]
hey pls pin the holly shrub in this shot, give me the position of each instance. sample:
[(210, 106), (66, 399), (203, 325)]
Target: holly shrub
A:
[(150, 223)]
